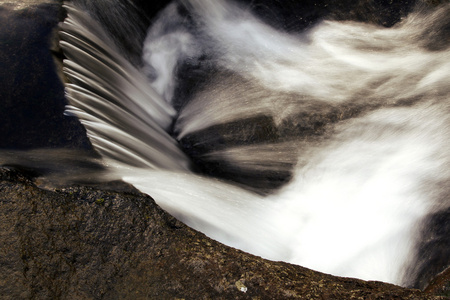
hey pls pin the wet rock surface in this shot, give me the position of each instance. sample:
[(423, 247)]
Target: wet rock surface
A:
[(112, 242), (32, 95)]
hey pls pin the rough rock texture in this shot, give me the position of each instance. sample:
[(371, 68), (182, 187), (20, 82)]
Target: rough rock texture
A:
[(112, 242)]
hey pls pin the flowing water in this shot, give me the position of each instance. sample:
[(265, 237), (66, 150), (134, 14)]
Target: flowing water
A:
[(327, 147)]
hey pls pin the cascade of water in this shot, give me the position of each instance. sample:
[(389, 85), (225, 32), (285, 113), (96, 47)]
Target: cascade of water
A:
[(360, 188), (124, 117)]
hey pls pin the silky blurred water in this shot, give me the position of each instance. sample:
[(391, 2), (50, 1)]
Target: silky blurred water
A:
[(358, 189)]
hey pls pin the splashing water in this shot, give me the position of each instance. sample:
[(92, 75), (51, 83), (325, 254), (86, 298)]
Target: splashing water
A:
[(362, 178)]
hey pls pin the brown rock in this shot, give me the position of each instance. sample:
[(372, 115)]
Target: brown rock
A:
[(91, 243)]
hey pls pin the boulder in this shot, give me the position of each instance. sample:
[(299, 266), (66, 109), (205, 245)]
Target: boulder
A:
[(112, 242)]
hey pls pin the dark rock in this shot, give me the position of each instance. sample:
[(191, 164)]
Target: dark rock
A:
[(32, 96), (292, 15), (87, 243), (431, 251), (211, 150), (440, 285)]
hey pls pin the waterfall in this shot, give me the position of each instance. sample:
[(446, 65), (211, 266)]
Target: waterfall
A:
[(326, 148), (111, 97)]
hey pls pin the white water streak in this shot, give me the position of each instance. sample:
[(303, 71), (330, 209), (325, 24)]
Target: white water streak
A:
[(355, 207), (352, 211), (334, 62), (124, 117)]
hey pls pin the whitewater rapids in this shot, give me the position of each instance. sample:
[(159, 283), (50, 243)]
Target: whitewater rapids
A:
[(360, 189)]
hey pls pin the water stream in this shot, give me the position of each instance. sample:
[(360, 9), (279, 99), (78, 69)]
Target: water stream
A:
[(350, 119)]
